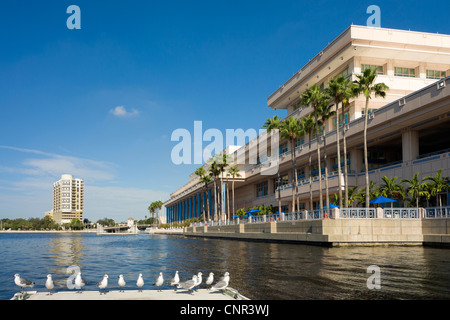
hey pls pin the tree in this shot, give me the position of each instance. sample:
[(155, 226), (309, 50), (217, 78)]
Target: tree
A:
[(360, 196), (309, 127), (313, 97), (390, 189), (155, 207), (341, 89), (233, 172), (76, 224), (367, 86), (324, 111), (416, 189), (291, 129), (206, 179), (272, 125), (436, 185), (213, 173)]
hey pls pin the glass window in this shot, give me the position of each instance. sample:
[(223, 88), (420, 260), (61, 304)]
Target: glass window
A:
[(378, 69), (346, 119), (283, 148), (404, 72), (435, 74), (261, 189)]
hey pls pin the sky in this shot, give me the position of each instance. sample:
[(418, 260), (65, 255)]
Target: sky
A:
[(102, 102)]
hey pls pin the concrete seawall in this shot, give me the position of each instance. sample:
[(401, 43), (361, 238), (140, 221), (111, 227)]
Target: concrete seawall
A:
[(335, 232)]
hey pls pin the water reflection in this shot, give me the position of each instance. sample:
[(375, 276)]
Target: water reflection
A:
[(65, 251), (259, 270)]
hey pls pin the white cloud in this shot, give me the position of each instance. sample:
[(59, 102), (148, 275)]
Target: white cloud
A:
[(120, 111), (29, 193)]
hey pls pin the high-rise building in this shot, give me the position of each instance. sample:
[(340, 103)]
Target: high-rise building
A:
[(68, 199)]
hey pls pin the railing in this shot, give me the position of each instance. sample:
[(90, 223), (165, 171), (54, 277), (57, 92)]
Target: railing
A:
[(358, 213), (344, 213), (398, 213), (437, 212)]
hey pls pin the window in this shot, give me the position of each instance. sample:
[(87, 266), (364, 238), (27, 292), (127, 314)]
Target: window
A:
[(404, 72), (435, 74), (346, 119), (378, 69), (300, 141), (283, 148), (344, 73), (284, 180), (261, 189), (363, 111)]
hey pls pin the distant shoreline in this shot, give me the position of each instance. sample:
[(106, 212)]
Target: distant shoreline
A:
[(48, 231)]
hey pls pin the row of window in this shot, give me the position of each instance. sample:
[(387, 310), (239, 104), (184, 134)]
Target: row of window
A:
[(406, 72)]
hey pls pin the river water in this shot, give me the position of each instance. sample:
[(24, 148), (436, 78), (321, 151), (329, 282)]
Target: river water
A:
[(265, 271)]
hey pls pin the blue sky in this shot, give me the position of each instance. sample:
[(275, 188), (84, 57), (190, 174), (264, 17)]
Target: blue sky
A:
[(102, 102)]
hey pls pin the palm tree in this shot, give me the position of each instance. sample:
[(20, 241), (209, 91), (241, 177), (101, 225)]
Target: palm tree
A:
[(367, 86), (291, 129), (233, 172), (325, 112), (390, 189), (312, 97), (416, 189), (341, 89), (206, 179), (214, 172), (360, 196), (309, 127), (222, 163), (270, 125), (437, 184)]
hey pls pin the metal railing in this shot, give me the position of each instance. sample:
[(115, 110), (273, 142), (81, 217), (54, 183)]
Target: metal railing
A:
[(399, 213), (437, 212), (358, 213), (344, 213)]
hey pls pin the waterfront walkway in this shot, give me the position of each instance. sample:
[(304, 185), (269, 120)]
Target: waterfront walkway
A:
[(354, 226)]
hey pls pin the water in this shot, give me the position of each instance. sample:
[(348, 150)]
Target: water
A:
[(258, 270)]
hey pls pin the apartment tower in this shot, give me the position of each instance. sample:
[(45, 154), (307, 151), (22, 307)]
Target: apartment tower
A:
[(68, 199)]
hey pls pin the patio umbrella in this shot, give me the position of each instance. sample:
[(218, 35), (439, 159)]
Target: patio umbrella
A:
[(382, 199), (248, 215), (252, 211)]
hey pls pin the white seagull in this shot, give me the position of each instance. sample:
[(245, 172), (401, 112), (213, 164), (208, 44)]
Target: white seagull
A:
[(79, 282), (223, 283), (22, 283), (121, 283), (210, 280), (175, 280), (188, 285), (199, 279), (103, 284), (159, 282), (140, 282), (49, 284)]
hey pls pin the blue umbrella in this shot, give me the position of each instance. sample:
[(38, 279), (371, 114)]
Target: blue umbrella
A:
[(278, 212), (248, 215), (252, 211), (382, 199)]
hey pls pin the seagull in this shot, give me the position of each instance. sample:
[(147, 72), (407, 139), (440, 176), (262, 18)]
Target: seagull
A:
[(188, 285), (21, 282), (210, 280), (103, 284), (140, 282), (175, 280), (159, 281), (121, 283), (79, 282), (49, 284), (223, 283), (199, 279)]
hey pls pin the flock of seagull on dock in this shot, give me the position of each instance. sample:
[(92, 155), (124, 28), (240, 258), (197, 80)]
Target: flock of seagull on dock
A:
[(190, 285)]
